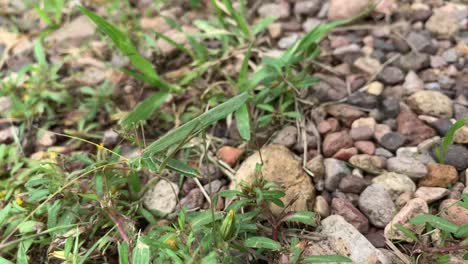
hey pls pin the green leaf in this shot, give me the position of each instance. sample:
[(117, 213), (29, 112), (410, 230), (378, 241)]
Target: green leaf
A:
[(229, 193), (262, 243), (435, 221), (238, 17), (204, 218), (141, 253), (4, 213), (266, 107), (43, 15), (211, 258), (122, 248), (243, 122), (196, 125), (52, 214), (244, 70), (325, 259), (145, 109), (406, 231), (304, 217), (39, 53), (462, 231), (29, 226)]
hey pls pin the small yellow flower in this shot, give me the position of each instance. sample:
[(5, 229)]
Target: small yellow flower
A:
[(19, 201), (100, 147), (52, 154), (172, 242), (2, 194), (25, 97)]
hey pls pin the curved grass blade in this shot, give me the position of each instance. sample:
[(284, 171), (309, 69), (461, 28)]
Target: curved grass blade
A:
[(436, 222), (196, 125), (125, 45), (448, 139)]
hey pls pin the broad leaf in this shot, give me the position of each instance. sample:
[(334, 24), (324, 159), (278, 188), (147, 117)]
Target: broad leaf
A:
[(262, 243), (243, 122), (304, 217)]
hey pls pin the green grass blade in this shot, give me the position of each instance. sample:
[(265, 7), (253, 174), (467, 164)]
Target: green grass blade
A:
[(244, 71), (238, 17), (436, 222), (141, 253), (173, 43), (196, 125), (448, 139), (407, 232), (261, 25), (125, 45), (243, 122), (145, 109), (122, 249)]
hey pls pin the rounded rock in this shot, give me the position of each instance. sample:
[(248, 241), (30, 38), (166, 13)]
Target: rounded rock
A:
[(377, 205), (432, 103)]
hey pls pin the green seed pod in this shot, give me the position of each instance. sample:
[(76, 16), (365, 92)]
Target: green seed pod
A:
[(228, 227)]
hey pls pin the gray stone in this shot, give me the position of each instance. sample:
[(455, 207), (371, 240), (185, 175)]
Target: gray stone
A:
[(286, 42), (418, 41), (282, 167), (383, 152), (395, 183), (414, 61), (308, 8), (162, 197), (287, 136), (335, 170), (368, 163), (276, 10), (377, 205), (310, 24), (432, 103), (193, 200), (352, 184), (414, 207), (391, 75), (443, 24), (408, 166), (213, 187), (344, 239), (431, 194), (412, 83), (392, 140), (457, 156), (450, 55)]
